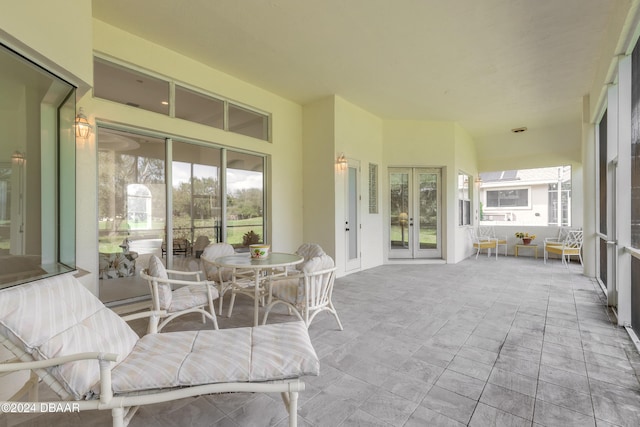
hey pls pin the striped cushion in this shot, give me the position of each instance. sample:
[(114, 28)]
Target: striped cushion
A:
[(308, 251), (213, 251), (157, 269), (191, 296), (292, 290), (187, 358), (58, 316)]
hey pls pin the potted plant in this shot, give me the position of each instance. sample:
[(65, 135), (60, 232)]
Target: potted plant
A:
[(526, 237)]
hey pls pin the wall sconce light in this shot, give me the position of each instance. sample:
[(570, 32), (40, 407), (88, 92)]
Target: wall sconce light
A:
[(18, 158), (83, 127), (478, 180), (341, 162)]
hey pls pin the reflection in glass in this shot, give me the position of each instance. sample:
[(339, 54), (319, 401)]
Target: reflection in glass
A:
[(353, 213), (131, 207), (464, 199), (399, 186), (196, 196), (199, 108), (37, 175), (428, 187), (247, 122), (245, 199), (130, 87)]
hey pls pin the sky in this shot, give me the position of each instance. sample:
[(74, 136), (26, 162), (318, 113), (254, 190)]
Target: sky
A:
[(237, 179)]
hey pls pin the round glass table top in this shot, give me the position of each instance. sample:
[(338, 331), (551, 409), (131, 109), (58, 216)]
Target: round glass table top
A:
[(275, 259)]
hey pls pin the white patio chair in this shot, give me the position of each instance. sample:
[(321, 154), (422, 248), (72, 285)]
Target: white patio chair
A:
[(306, 251), (190, 297), (482, 242), (93, 360), (221, 276), (490, 232), (571, 246), (306, 293), (199, 245), (560, 238)]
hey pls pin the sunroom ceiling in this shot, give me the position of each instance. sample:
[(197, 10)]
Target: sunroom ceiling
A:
[(491, 65)]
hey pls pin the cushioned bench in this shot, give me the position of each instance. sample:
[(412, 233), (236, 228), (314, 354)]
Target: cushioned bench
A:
[(90, 355)]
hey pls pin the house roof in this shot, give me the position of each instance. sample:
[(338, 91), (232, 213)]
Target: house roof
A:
[(490, 65), (539, 175)]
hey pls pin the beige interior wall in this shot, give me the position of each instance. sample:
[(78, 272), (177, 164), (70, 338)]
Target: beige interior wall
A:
[(409, 143), (359, 137), (56, 34)]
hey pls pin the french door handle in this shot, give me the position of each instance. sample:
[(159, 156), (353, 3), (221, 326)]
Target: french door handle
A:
[(612, 242)]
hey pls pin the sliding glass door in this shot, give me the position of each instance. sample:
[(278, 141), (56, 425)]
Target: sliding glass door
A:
[(131, 210), (215, 195), (196, 191), (245, 199)]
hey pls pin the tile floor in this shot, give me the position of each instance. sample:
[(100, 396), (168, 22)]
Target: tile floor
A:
[(511, 342)]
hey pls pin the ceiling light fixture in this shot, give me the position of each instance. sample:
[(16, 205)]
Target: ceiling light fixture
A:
[(519, 130)]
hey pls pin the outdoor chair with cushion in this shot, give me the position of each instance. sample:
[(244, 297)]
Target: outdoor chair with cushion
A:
[(221, 276), (306, 293), (199, 245), (189, 296), (482, 242), (91, 357), (571, 246), (490, 232), (559, 239)]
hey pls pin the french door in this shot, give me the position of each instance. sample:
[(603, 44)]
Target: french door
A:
[(415, 219)]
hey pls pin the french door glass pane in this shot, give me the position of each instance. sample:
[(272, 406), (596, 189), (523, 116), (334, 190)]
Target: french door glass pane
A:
[(399, 231), (245, 199), (353, 213), (428, 183)]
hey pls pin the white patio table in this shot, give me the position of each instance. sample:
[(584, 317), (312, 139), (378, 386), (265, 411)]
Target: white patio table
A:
[(244, 262)]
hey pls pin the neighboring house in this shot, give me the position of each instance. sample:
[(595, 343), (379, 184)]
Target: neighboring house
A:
[(526, 197)]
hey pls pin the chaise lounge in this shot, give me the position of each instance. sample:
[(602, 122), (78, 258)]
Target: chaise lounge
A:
[(92, 358)]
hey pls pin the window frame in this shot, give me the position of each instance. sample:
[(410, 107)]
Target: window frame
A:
[(47, 172), (465, 204), (527, 188), (172, 83)]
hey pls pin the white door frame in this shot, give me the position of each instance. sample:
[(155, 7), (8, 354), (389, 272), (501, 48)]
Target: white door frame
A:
[(412, 249)]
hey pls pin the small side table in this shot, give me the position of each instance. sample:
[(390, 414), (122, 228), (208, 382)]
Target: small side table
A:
[(534, 247)]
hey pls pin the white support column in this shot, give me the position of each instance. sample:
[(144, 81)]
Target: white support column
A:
[(623, 192), (589, 177), (611, 165)]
